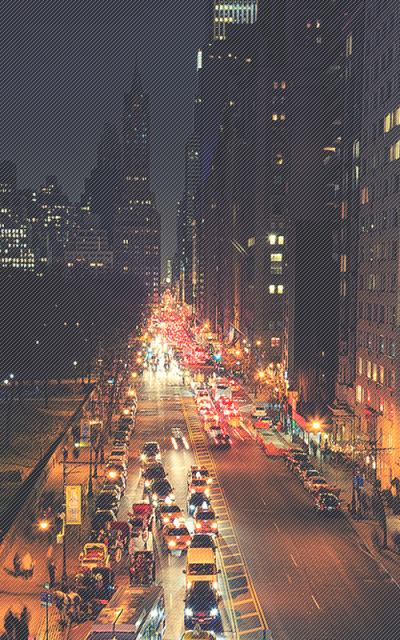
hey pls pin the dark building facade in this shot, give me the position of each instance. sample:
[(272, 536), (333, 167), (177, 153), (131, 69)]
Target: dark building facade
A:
[(137, 223)]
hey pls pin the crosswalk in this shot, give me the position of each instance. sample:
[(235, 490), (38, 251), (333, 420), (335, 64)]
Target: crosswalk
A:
[(246, 616)]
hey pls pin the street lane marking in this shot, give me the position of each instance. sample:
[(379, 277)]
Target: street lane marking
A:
[(230, 566), (316, 603), (277, 528), (223, 546), (243, 601), (289, 578), (241, 633), (241, 575), (294, 561), (248, 615)]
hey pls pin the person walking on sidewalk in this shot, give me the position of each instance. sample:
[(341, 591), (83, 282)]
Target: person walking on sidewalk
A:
[(52, 573)]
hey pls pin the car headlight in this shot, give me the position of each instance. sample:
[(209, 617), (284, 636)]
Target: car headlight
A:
[(215, 585), (188, 612), (172, 543), (142, 456), (165, 520), (188, 585), (214, 611), (192, 491), (188, 541), (147, 483), (198, 525), (209, 481), (154, 496), (214, 525), (207, 492)]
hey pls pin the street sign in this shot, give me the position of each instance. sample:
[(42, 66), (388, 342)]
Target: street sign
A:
[(358, 481), (45, 599), (73, 499), (46, 586)]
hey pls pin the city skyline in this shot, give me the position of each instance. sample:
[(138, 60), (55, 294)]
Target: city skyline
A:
[(64, 88)]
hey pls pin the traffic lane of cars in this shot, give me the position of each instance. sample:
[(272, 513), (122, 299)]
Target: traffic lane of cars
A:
[(292, 554)]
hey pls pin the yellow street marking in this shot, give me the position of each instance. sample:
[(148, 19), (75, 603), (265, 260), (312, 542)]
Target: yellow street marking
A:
[(248, 615), (243, 602), (316, 603), (241, 633), (294, 561), (230, 566)]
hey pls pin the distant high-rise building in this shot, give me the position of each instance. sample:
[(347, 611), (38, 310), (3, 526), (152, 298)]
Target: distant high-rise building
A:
[(223, 14), (137, 223), (8, 190), (103, 188)]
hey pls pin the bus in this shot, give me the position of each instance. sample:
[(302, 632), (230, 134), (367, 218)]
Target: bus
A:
[(133, 613)]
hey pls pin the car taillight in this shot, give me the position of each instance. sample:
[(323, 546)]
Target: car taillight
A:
[(216, 441)]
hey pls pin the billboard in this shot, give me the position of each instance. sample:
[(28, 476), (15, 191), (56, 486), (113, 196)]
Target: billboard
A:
[(73, 499)]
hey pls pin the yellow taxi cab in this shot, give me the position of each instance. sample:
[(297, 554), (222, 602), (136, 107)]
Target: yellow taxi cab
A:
[(199, 485), (170, 512), (198, 635), (176, 537), (196, 471), (205, 520)]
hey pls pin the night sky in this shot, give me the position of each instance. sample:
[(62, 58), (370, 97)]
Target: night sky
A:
[(65, 67)]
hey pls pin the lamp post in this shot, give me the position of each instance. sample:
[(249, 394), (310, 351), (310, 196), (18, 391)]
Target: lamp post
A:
[(317, 426), (64, 577)]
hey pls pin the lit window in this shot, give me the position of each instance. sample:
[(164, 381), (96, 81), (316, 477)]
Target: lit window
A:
[(360, 366), (283, 84), (272, 239), (280, 288), (283, 116), (349, 45), (374, 372), (275, 342), (369, 369), (281, 239), (125, 268), (274, 116), (251, 242), (276, 257), (272, 288), (275, 85), (381, 374), (359, 393)]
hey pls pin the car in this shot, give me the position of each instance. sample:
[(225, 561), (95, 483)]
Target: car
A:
[(199, 485), (210, 419), (306, 474), (316, 483), (197, 471), (201, 606), (128, 410), (161, 491), (203, 541), (327, 503), (176, 537), (205, 520), (152, 472), (150, 452), (201, 393), (119, 449), (178, 439), (204, 407), (295, 458), (168, 513), (126, 422), (223, 441), (119, 465), (299, 467), (113, 488), (258, 411), (290, 451), (118, 458), (98, 522), (198, 635), (235, 386), (263, 422), (196, 500), (121, 438), (107, 500), (112, 473), (110, 484)]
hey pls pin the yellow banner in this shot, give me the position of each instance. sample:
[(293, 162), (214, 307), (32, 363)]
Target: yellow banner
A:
[(73, 497)]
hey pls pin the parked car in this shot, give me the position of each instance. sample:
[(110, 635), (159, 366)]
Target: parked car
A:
[(327, 503), (258, 411), (316, 483)]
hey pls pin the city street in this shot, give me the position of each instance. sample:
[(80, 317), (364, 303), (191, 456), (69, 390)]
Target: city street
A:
[(310, 577)]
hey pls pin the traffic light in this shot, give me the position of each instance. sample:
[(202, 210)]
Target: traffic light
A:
[(218, 356)]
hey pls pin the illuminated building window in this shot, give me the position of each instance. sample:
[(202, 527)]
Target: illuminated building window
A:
[(283, 84), (359, 393), (272, 288), (274, 116), (281, 239), (275, 342), (280, 288), (276, 257), (272, 239), (360, 366)]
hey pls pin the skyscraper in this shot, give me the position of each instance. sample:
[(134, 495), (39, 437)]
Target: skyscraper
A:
[(232, 12), (137, 223)]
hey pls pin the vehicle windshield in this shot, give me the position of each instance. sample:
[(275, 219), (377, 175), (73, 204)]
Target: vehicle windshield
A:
[(157, 472), (173, 508), (118, 454), (198, 482), (161, 487), (203, 472), (199, 569), (319, 480), (150, 448), (205, 515), (137, 522), (182, 531), (202, 542)]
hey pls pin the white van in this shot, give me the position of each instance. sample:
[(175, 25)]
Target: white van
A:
[(222, 389)]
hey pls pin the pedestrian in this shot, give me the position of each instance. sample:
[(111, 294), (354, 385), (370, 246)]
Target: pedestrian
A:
[(10, 625), (22, 625), (315, 447), (52, 573)]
